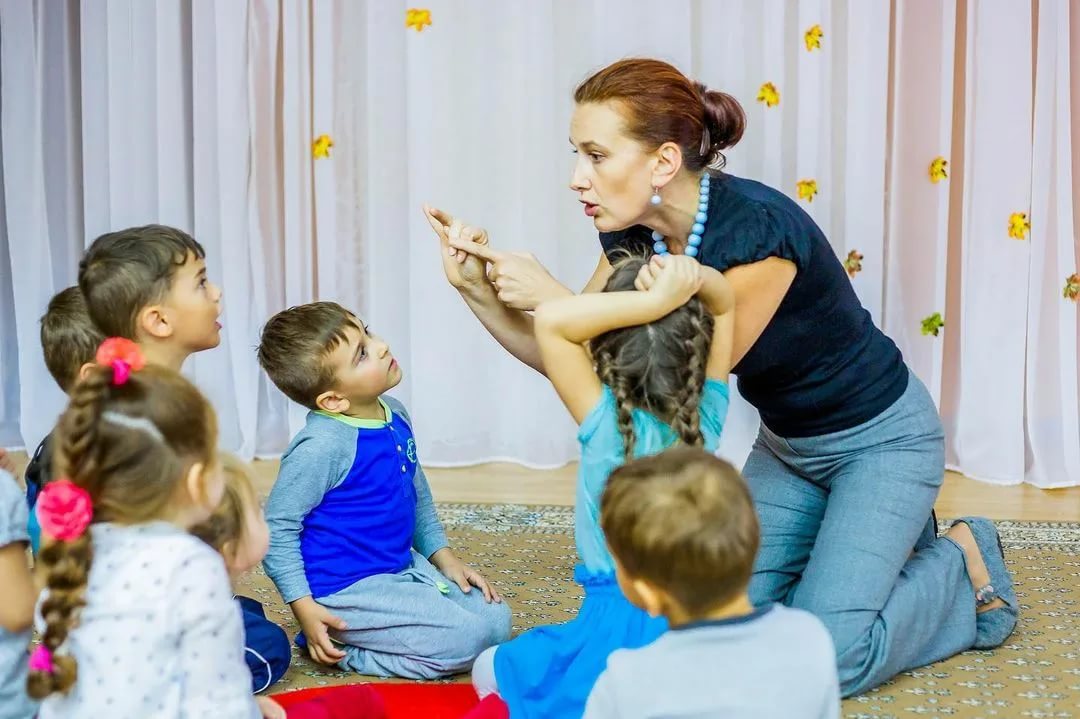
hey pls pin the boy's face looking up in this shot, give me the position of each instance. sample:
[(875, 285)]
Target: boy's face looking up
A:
[(188, 314), (363, 368)]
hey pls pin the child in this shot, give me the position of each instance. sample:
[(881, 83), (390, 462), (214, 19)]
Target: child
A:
[(137, 615), (355, 545), (69, 340), (17, 608), (683, 533), (149, 284), (639, 370), (238, 531)]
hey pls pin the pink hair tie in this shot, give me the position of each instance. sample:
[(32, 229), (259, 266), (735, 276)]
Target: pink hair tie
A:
[(64, 510), (123, 355), (41, 660)]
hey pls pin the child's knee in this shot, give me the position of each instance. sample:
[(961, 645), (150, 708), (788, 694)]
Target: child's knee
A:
[(473, 633), (500, 620)]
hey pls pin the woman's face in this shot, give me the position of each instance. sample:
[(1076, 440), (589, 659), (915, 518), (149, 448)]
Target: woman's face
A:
[(613, 172)]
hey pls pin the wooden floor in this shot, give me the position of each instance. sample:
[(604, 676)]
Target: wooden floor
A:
[(513, 484)]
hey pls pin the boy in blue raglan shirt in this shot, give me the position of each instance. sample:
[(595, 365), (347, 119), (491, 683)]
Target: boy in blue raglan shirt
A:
[(356, 548)]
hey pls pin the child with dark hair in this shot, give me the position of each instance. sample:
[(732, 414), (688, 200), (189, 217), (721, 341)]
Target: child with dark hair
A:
[(641, 366), (149, 284), (356, 547)]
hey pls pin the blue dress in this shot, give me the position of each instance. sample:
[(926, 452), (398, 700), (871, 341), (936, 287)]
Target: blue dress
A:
[(549, 671)]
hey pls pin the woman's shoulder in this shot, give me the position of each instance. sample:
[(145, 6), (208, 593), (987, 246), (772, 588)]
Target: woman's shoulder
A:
[(750, 221)]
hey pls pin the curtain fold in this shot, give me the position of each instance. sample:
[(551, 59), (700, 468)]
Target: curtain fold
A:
[(297, 141)]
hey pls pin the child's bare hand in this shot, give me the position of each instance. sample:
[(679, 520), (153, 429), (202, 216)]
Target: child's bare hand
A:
[(462, 574), (316, 621), (269, 708), (677, 278)]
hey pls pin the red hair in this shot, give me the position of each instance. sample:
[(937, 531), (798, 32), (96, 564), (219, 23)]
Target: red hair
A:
[(660, 105)]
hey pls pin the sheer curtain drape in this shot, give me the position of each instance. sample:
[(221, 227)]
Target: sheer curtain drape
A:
[(202, 115)]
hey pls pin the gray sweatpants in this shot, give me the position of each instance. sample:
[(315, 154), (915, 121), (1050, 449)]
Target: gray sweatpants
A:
[(404, 625)]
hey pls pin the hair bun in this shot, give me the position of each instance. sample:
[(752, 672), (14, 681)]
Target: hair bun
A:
[(725, 118)]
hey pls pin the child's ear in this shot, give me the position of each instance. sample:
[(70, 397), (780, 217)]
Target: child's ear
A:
[(85, 370), (331, 401), (228, 553), (648, 597), (202, 487), (152, 321)]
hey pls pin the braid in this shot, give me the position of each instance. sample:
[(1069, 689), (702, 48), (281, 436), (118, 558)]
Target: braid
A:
[(623, 401), (687, 420), (67, 564)]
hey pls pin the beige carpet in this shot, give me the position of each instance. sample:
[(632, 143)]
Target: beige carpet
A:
[(529, 553)]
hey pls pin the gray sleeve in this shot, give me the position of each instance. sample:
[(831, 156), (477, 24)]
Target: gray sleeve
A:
[(429, 536), (308, 471), (13, 512), (602, 702)]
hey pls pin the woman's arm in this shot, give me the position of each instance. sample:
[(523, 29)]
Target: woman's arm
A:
[(514, 329), (563, 326), (759, 289)]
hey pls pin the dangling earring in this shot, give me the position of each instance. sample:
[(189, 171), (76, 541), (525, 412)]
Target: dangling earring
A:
[(655, 199)]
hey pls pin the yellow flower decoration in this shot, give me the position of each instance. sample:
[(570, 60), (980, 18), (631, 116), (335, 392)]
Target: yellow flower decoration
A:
[(853, 263), (321, 146), (939, 170), (1072, 287), (932, 325), (806, 189), (1019, 225), (417, 18), (812, 37), (769, 95)]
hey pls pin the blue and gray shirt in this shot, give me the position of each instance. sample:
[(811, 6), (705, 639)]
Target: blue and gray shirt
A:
[(351, 501)]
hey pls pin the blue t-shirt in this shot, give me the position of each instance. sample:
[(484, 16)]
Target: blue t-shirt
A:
[(602, 452), (821, 365)]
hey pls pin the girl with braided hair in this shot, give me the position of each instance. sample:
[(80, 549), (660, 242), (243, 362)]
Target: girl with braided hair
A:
[(641, 366), (137, 617)]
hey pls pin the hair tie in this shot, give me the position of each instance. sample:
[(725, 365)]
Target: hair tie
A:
[(123, 355), (41, 660), (141, 424), (64, 510)]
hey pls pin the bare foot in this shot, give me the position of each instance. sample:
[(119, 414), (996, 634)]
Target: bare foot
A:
[(976, 567)]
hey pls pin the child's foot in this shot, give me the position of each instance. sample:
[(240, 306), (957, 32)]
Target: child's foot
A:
[(976, 565)]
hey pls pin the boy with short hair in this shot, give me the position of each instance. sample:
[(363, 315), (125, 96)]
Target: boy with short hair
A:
[(684, 534), (149, 284), (356, 548)]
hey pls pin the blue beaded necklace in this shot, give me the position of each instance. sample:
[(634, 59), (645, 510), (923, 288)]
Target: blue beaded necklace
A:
[(694, 241)]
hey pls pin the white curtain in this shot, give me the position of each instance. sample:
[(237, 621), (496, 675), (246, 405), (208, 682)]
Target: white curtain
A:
[(202, 114)]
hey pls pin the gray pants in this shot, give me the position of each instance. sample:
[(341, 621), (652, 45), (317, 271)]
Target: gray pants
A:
[(404, 625)]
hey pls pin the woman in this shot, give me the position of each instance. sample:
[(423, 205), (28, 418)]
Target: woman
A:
[(850, 454)]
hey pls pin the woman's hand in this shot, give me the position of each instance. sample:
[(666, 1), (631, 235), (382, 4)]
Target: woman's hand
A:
[(674, 279), (521, 282), (463, 271)]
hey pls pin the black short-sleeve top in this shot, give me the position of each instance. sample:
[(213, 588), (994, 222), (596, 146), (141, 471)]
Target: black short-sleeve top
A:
[(821, 365)]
